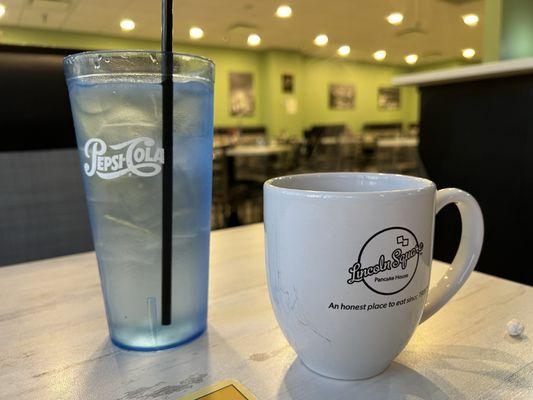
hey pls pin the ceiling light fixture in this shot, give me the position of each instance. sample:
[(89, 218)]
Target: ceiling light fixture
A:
[(395, 18), (127, 24), (379, 55), (411, 59), (321, 40), (284, 11), (470, 19), (2, 10), (468, 53), (254, 40), (196, 33), (344, 50)]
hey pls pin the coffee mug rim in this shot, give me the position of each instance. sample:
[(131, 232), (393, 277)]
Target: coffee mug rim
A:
[(424, 185)]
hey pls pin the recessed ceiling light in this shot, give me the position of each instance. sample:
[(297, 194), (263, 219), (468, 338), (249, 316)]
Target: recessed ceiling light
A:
[(411, 59), (284, 11), (321, 40), (344, 50), (127, 24), (379, 55), (196, 32), (395, 18), (254, 40), (2, 10), (469, 53), (470, 19)]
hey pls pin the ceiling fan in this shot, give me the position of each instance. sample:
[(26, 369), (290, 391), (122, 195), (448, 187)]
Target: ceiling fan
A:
[(417, 25)]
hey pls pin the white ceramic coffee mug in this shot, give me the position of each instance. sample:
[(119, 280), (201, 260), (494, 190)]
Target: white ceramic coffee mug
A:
[(348, 262)]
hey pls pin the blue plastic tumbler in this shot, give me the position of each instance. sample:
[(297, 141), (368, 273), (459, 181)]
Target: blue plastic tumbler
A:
[(116, 100)]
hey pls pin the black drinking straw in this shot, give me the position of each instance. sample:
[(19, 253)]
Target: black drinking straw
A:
[(167, 69)]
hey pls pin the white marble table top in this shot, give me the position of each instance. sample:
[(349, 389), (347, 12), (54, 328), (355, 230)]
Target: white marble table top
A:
[(54, 342)]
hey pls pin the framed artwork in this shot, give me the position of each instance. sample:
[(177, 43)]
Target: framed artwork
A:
[(341, 96), (241, 92), (388, 98), (287, 83)]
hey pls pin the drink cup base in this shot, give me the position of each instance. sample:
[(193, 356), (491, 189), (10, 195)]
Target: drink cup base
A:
[(163, 347)]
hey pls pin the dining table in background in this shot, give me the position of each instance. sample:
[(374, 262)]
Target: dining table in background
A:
[(258, 150), (397, 142), (54, 340), (339, 140), (397, 154), (265, 152)]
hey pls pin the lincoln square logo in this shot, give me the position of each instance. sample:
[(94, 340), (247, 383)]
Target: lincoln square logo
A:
[(387, 261)]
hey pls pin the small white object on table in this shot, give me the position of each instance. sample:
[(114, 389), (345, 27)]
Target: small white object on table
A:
[(258, 150), (54, 342)]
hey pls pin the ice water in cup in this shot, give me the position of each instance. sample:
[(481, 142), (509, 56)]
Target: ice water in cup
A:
[(116, 102)]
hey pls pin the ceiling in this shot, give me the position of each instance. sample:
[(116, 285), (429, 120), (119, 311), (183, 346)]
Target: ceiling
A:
[(358, 23)]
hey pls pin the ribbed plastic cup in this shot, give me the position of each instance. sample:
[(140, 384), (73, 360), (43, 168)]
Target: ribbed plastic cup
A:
[(116, 100)]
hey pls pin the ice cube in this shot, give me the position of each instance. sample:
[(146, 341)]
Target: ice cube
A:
[(192, 108), (89, 98)]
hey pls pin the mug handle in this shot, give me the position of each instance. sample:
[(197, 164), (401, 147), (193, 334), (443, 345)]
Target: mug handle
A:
[(468, 253)]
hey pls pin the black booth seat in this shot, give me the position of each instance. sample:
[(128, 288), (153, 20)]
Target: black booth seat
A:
[(478, 136), (42, 206)]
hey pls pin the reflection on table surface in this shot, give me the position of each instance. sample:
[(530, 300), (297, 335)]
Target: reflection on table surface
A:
[(243, 162)]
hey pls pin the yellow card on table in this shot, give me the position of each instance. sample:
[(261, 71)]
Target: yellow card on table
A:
[(223, 390)]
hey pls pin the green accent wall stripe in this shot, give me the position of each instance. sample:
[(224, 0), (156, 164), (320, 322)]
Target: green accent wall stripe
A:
[(312, 77)]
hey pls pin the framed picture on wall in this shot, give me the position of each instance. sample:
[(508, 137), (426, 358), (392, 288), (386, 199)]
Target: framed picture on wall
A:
[(287, 83), (388, 98), (241, 93), (341, 96)]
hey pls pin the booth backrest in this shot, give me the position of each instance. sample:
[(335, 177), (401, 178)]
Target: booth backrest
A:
[(478, 136), (42, 206)]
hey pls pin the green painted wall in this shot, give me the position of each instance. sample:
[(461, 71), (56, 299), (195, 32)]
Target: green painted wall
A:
[(226, 60), (283, 111), (516, 29), (491, 30), (412, 104), (312, 77), (367, 78)]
